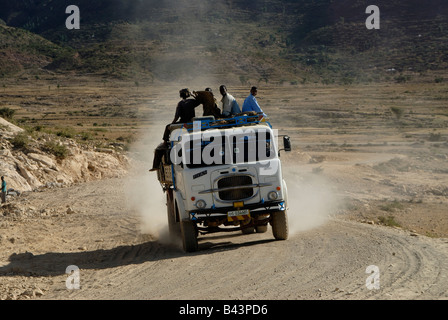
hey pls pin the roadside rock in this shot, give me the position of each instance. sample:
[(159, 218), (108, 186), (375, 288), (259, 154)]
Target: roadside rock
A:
[(32, 169), (70, 210), (11, 129), (30, 178), (44, 160)]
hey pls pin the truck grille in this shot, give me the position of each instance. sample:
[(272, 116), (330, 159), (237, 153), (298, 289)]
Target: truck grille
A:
[(235, 194)]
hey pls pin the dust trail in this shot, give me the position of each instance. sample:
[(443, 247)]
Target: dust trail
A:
[(143, 191), (311, 199)]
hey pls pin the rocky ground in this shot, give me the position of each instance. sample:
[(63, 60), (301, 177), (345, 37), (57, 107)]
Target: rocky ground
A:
[(39, 160)]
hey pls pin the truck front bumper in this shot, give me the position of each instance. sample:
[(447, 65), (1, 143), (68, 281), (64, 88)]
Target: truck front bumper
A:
[(255, 210)]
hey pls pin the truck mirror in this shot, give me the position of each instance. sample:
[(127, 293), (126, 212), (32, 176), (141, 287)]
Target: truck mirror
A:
[(286, 143)]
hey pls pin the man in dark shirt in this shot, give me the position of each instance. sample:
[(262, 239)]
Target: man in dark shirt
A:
[(185, 108), (185, 112)]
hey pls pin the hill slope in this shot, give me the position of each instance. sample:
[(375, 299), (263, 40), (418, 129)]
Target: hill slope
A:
[(244, 41), (22, 50)]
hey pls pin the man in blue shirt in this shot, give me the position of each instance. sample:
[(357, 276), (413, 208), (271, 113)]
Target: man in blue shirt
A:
[(251, 104)]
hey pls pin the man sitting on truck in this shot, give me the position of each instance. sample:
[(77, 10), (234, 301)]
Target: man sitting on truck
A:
[(185, 108), (185, 112), (229, 105), (251, 104), (208, 102)]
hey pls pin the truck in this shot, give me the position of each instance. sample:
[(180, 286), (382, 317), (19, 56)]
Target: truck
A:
[(224, 175)]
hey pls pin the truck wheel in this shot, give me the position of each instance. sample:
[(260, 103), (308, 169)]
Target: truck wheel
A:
[(173, 226), (279, 222), (189, 236)]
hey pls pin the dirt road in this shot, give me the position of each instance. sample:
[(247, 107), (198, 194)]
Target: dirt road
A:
[(101, 235), (366, 188)]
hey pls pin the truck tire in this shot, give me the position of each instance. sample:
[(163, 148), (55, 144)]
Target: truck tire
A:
[(261, 229), (173, 226), (279, 222), (189, 236)]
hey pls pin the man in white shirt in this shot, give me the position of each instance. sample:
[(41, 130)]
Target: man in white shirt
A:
[(229, 105)]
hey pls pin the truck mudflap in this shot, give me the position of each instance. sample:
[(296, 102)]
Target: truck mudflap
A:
[(251, 210)]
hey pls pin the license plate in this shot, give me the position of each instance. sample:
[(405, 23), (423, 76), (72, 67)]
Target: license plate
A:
[(238, 215)]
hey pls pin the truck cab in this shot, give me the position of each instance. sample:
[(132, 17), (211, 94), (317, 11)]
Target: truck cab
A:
[(224, 175)]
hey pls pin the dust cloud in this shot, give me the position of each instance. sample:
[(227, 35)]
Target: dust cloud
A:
[(144, 194), (311, 199), (143, 191)]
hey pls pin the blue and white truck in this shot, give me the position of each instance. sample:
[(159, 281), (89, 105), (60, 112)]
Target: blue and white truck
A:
[(224, 175)]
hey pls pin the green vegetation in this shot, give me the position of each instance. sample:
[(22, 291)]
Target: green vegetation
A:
[(392, 206), (7, 113), (389, 221), (398, 112), (58, 150), (66, 133), (20, 141), (402, 78)]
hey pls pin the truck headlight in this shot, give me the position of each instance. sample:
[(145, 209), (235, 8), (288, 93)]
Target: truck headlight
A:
[(273, 195), (200, 204)]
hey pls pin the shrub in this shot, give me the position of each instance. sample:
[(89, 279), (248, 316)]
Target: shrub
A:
[(392, 206), (389, 221), (58, 150), (20, 141), (85, 136), (398, 112), (7, 113), (66, 133), (402, 78)]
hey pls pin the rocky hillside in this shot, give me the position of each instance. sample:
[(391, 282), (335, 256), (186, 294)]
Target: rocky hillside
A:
[(46, 161)]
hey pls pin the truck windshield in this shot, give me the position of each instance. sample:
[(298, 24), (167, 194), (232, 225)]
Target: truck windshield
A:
[(229, 149)]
